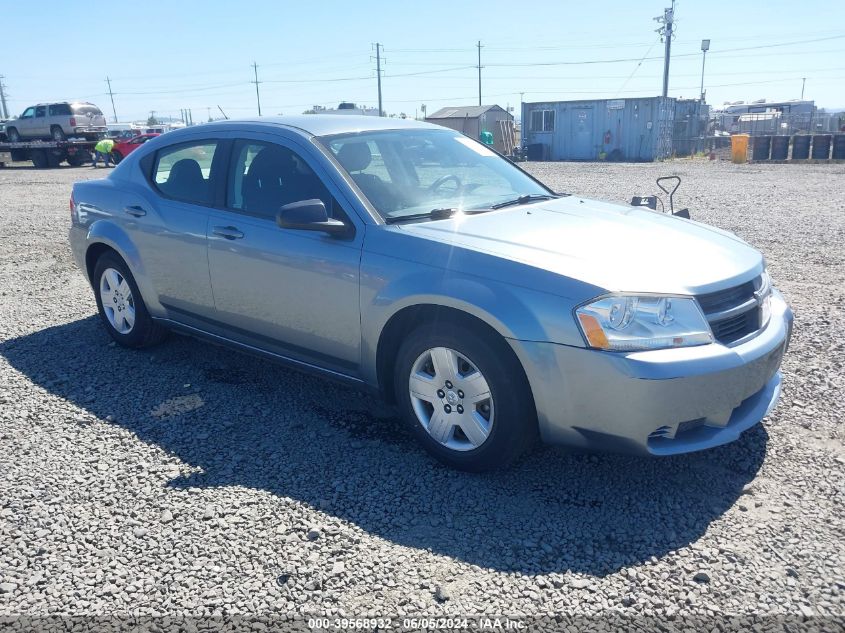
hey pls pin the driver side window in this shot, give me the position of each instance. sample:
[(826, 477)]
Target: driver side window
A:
[(28, 113)]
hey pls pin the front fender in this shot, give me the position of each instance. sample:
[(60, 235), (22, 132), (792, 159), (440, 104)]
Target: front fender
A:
[(389, 285)]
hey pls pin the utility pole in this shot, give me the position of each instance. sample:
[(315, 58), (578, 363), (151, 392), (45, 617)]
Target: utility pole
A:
[(111, 96), (667, 20), (378, 75), (5, 111), (803, 83), (479, 71), (256, 82), (705, 46), (190, 117)]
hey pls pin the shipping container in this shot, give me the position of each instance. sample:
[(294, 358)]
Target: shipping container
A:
[(601, 129)]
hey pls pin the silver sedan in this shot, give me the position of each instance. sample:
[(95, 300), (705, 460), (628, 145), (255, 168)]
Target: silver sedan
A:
[(411, 260)]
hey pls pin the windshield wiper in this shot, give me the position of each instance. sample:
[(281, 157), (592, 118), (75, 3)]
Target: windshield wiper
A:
[(434, 214), (524, 199)]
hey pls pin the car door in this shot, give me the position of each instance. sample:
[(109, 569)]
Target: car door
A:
[(167, 217), (39, 124), (25, 124), (291, 292)]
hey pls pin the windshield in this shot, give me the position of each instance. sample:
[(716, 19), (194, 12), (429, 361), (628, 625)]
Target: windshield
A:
[(412, 172)]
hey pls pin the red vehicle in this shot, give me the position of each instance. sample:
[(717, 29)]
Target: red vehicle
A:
[(123, 147)]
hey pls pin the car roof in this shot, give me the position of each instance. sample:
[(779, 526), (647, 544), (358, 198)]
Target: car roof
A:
[(321, 124), (49, 103)]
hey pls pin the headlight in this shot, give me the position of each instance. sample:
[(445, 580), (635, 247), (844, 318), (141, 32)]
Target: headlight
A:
[(764, 295), (627, 323)]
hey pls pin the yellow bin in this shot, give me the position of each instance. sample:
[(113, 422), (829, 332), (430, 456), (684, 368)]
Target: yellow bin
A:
[(739, 148)]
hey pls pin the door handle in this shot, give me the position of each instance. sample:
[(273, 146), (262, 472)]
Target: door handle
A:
[(135, 211), (229, 232)]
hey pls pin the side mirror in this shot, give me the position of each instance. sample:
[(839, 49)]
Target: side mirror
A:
[(310, 215)]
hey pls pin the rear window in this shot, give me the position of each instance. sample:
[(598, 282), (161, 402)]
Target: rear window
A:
[(60, 109), (86, 108)]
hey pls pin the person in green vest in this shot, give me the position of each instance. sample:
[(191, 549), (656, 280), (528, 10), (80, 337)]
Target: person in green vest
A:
[(103, 150), (487, 137)]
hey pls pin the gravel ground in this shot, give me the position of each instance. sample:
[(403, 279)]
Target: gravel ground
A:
[(190, 480)]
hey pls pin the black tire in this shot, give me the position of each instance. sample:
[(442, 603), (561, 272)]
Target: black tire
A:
[(13, 135), (145, 332), (116, 157), (514, 426), (53, 161), (78, 159), (57, 133), (39, 159)]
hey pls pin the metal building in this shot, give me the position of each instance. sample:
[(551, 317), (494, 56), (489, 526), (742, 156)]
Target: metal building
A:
[(611, 129), (473, 120)]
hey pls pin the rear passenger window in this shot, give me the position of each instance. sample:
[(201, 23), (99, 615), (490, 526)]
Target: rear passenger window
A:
[(184, 171), (60, 109)]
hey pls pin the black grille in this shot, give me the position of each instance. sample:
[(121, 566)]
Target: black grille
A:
[(724, 299), (728, 330)]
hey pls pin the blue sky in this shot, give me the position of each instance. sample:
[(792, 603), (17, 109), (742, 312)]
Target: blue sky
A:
[(164, 56)]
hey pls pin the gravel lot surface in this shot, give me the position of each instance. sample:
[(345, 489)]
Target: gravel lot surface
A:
[(188, 479)]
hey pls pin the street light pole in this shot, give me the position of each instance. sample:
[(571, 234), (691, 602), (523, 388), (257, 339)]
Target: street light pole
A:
[(705, 46)]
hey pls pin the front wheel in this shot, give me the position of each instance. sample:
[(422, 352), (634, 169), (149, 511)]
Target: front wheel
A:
[(465, 397), (13, 135), (120, 305), (116, 157)]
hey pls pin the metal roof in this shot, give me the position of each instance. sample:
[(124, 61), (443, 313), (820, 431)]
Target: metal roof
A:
[(462, 112)]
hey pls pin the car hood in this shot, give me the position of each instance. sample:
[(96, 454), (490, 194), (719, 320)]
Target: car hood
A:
[(619, 248)]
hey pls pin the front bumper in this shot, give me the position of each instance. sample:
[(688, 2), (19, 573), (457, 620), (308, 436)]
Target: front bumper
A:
[(661, 402)]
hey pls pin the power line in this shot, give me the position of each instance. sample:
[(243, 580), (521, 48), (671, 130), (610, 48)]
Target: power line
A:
[(637, 67)]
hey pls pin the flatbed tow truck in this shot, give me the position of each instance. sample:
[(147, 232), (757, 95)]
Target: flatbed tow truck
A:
[(47, 154)]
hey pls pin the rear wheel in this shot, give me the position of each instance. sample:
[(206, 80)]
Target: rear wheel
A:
[(39, 159), (464, 397), (78, 158), (13, 135), (120, 305), (53, 160), (57, 133)]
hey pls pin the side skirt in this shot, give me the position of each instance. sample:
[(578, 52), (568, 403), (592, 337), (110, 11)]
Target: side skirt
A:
[(308, 368)]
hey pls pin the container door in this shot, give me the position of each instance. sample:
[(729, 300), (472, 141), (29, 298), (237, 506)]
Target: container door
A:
[(581, 133)]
